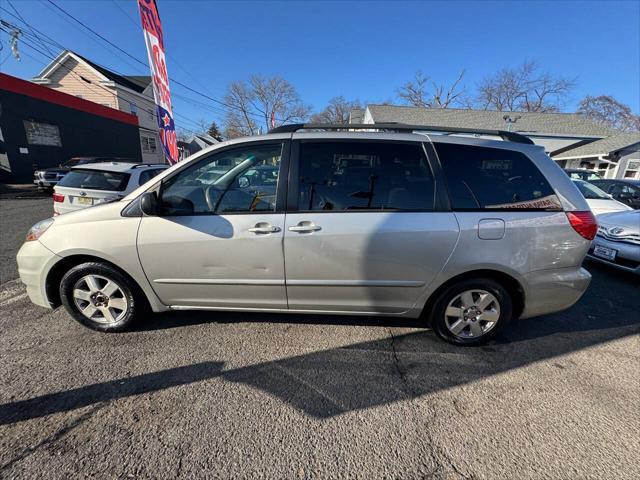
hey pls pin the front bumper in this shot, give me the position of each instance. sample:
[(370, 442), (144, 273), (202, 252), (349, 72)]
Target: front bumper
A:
[(627, 258), (34, 262), (550, 291)]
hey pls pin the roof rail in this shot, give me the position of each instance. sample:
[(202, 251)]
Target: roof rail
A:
[(139, 165), (402, 127)]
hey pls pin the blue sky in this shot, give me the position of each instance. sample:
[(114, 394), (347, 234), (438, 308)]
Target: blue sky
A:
[(362, 50)]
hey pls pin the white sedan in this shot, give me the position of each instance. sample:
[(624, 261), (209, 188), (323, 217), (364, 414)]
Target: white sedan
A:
[(89, 185), (598, 200)]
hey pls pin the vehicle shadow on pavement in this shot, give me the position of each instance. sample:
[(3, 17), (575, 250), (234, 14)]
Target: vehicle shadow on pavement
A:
[(398, 367)]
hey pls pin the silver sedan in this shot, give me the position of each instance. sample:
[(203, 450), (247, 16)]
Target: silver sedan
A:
[(618, 240)]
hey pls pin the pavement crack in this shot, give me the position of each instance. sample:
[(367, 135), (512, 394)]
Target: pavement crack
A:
[(440, 459), (52, 439)]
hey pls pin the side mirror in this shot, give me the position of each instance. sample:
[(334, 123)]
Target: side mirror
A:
[(149, 203)]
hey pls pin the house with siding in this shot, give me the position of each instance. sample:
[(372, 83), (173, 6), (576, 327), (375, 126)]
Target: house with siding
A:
[(571, 139), (617, 156), (75, 75)]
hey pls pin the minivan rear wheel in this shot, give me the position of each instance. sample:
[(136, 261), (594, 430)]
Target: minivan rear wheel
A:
[(100, 297), (471, 312)]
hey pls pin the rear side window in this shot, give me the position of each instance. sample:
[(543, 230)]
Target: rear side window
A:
[(95, 180), (344, 176), (148, 175), (482, 178)]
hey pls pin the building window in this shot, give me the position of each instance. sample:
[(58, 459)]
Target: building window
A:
[(633, 168), (79, 96), (148, 144), (42, 133), (134, 108)]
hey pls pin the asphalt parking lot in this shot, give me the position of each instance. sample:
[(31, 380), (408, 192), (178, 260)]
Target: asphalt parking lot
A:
[(233, 395)]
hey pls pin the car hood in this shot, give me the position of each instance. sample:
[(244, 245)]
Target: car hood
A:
[(629, 220), (97, 213), (606, 205)]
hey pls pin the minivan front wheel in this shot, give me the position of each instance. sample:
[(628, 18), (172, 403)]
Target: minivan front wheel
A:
[(471, 312), (99, 296)]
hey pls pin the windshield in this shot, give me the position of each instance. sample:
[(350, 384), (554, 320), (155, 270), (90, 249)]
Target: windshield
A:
[(95, 180), (590, 192)]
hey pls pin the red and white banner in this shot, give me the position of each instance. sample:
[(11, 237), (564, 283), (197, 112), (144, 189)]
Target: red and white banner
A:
[(152, 29)]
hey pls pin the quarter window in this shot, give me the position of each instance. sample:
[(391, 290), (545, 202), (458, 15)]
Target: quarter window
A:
[(234, 181), (345, 176), (493, 178)]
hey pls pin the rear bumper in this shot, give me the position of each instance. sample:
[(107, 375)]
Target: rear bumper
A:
[(45, 183), (34, 262), (551, 291)]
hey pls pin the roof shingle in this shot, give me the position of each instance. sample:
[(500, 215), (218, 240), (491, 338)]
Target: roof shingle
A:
[(603, 147), (571, 124)]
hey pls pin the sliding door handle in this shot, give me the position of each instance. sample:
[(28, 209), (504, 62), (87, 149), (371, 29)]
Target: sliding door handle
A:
[(305, 227)]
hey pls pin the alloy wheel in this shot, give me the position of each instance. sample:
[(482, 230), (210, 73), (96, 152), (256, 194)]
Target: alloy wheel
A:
[(472, 314), (100, 299)]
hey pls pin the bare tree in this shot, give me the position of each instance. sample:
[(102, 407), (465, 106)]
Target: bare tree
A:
[(524, 89), (239, 119), (417, 93), (256, 105), (606, 110), (336, 111)]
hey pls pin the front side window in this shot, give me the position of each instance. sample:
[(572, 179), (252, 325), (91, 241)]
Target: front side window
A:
[(356, 176), (481, 178), (95, 180), (234, 181)]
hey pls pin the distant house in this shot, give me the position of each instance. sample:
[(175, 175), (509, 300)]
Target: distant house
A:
[(554, 131), (573, 140), (195, 144), (41, 128), (617, 156), (75, 75)]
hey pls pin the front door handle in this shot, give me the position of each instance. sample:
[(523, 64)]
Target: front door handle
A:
[(264, 228), (305, 227)]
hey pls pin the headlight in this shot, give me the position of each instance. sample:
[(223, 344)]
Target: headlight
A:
[(38, 229)]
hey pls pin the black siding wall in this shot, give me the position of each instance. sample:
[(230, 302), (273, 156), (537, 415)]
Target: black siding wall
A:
[(81, 133)]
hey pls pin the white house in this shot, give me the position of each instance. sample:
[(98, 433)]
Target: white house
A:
[(73, 74), (617, 156)]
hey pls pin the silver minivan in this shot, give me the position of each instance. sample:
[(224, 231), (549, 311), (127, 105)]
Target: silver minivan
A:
[(463, 232)]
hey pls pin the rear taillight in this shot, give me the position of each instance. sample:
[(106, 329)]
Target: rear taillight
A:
[(584, 223), (58, 197)]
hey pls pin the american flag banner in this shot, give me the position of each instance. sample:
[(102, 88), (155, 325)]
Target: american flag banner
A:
[(152, 29)]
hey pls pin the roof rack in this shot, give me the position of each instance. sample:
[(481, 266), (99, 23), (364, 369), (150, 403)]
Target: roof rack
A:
[(139, 165), (402, 127)]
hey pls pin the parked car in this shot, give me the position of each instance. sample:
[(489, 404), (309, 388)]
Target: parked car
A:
[(581, 174), (49, 177), (599, 201), (464, 233), (618, 241), (96, 183), (625, 191)]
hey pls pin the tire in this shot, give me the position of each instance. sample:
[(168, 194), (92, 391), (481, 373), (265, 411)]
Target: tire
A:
[(471, 320), (110, 300)]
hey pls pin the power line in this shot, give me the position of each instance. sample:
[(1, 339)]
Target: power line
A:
[(53, 42), (153, 113), (147, 66), (80, 77), (28, 26)]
